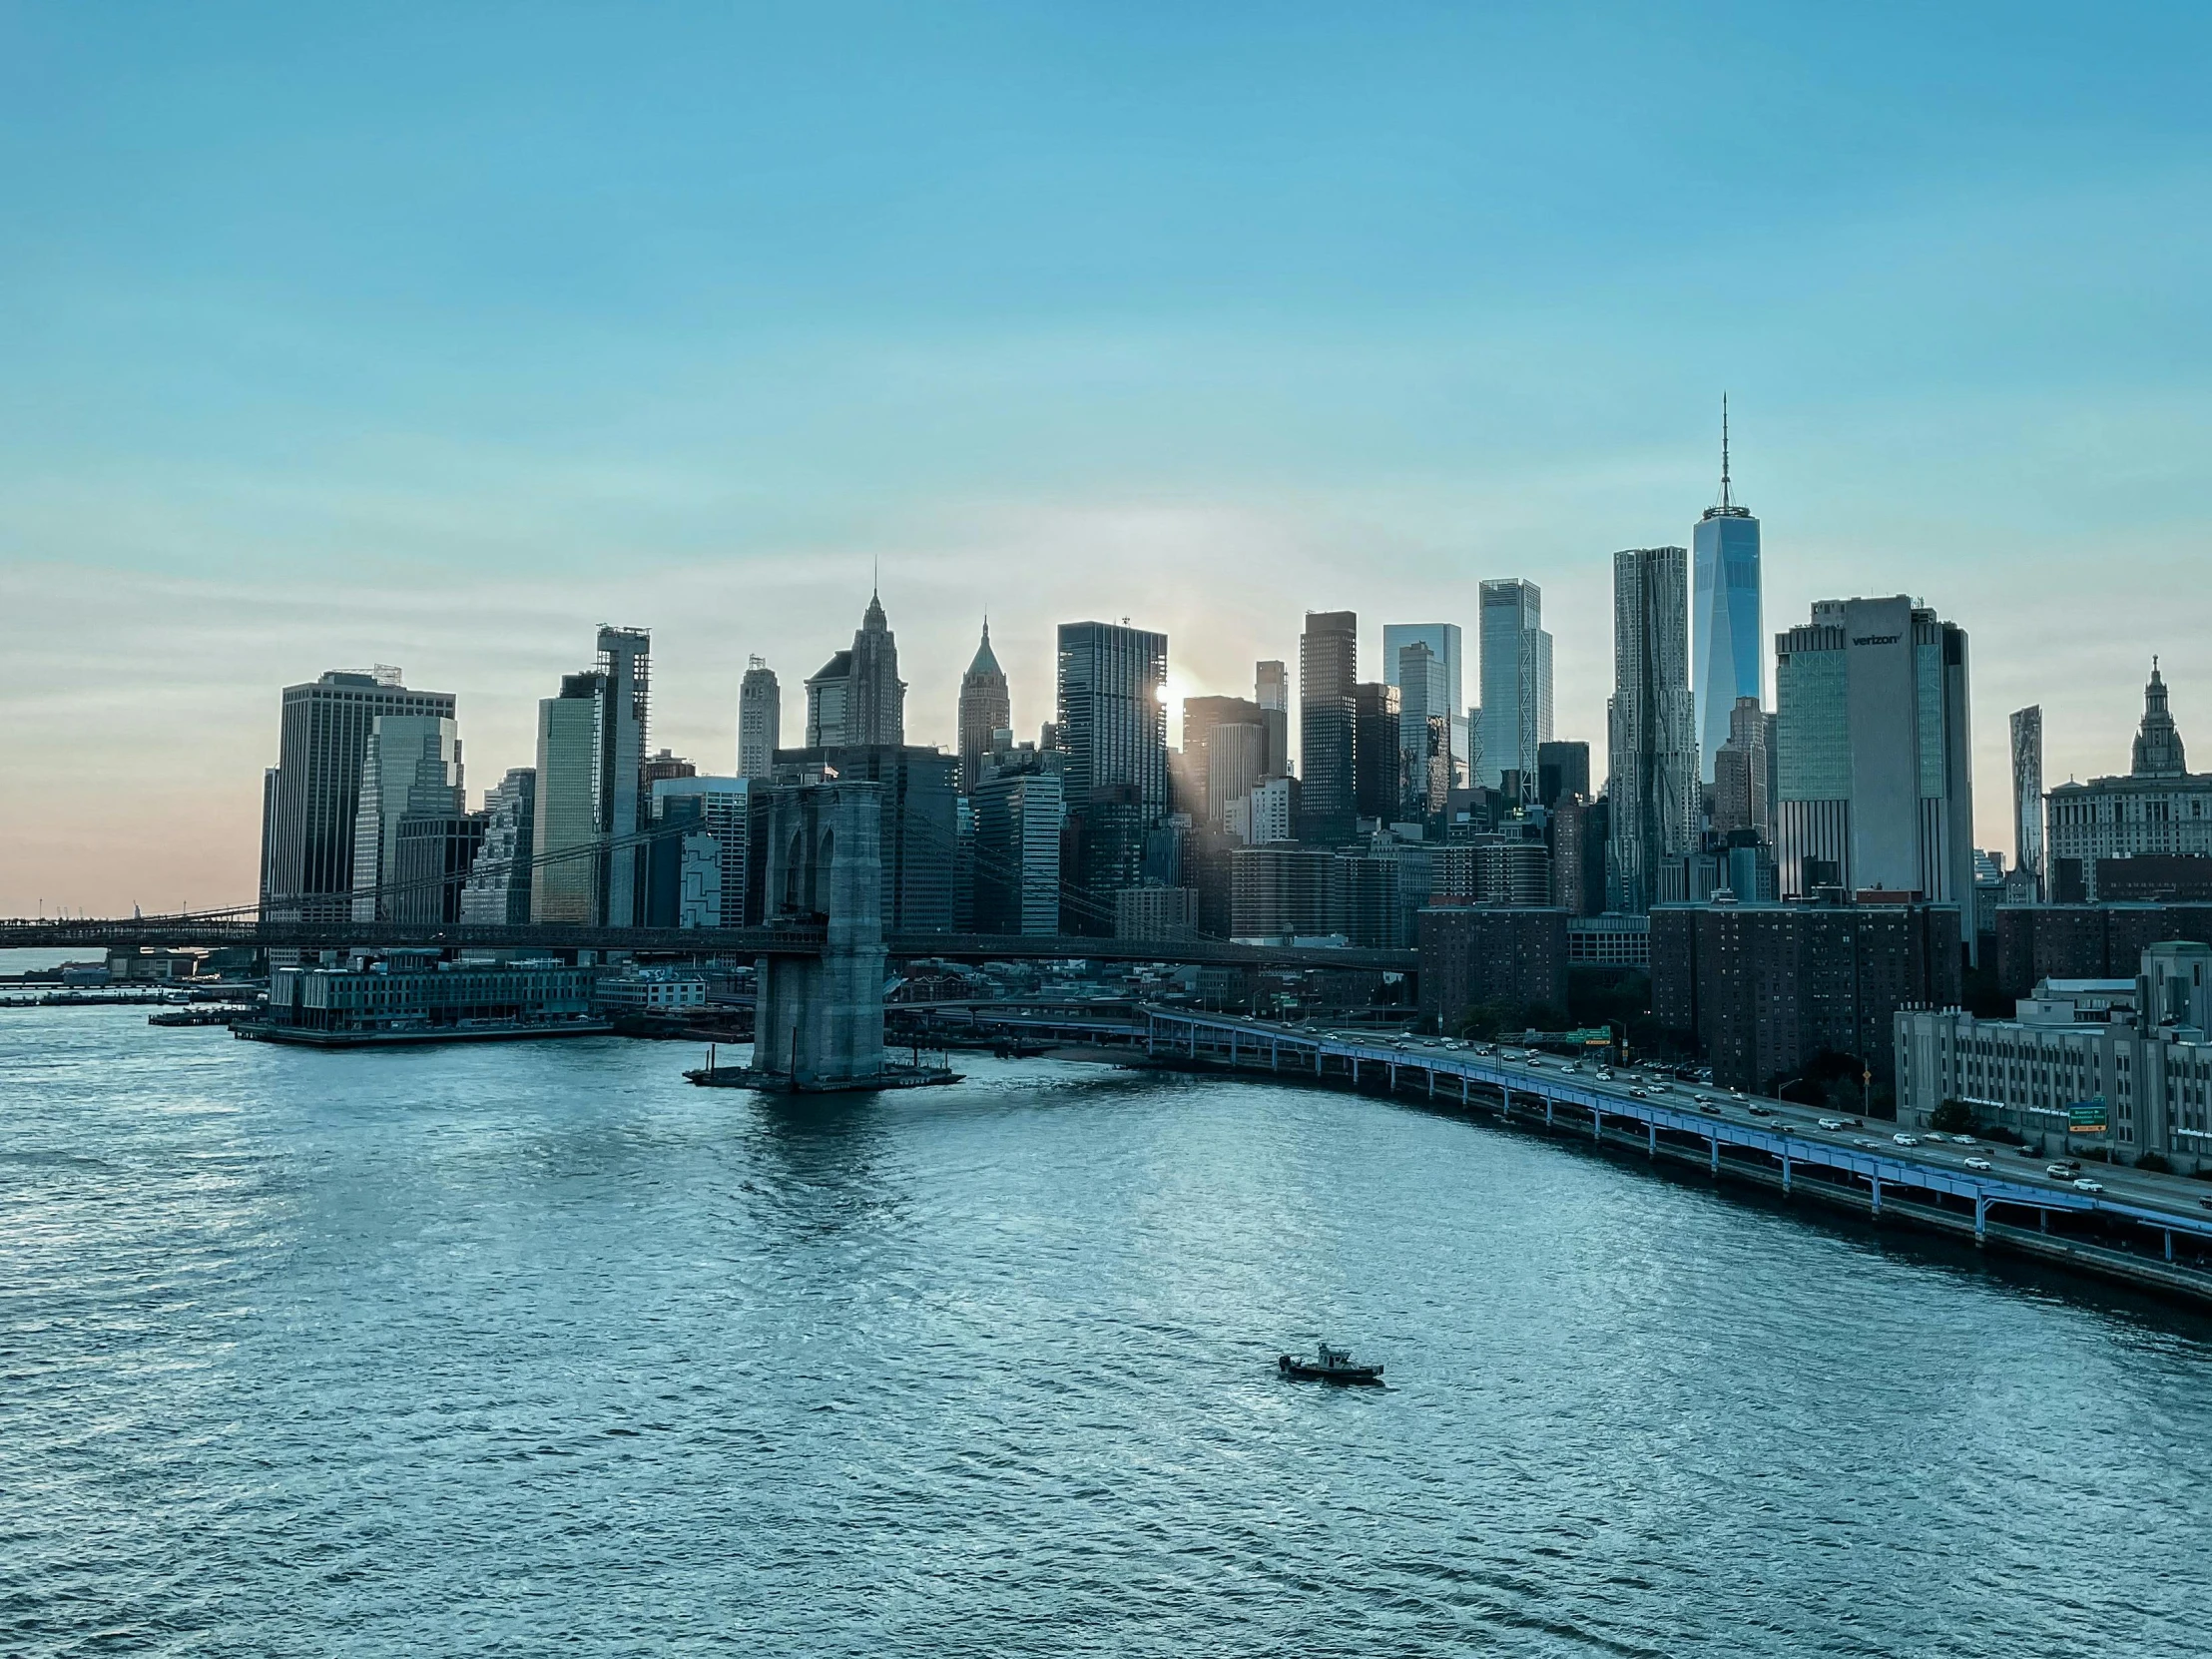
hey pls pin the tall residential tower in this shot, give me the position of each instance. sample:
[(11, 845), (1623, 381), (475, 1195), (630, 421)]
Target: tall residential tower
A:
[(1652, 743), (1327, 721)]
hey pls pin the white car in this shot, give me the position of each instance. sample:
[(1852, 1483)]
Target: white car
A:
[(2085, 1185), (1965, 1140), (1906, 1140), (1831, 1123), (1638, 1093), (1604, 1076), (1977, 1163)]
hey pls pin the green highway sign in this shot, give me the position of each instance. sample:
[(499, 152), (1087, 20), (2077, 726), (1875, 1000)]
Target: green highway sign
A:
[(2087, 1117)]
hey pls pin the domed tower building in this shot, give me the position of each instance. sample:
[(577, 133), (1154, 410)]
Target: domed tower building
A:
[(2145, 834)]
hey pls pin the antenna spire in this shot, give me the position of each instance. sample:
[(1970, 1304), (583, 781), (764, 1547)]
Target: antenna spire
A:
[(1725, 502)]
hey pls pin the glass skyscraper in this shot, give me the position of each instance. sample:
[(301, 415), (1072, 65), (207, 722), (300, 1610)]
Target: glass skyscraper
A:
[(1516, 683), (1442, 640), (1726, 645)]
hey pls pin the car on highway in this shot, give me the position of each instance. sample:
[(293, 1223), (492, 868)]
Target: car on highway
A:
[(1906, 1140), (1706, 1106), (2085, 1185), (1979, 1163), (1638, 1093), (1604, 1074), (1868, 1141), (1759, 1111), (1965, 1140), (1831, 1123), (2066, 1168)]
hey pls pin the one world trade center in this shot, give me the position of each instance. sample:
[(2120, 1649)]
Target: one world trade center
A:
[(1727, 660)]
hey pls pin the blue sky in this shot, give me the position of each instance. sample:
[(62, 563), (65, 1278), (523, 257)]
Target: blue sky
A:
[(435, 336)]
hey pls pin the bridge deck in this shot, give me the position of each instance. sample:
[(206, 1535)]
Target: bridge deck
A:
[(222, 933)]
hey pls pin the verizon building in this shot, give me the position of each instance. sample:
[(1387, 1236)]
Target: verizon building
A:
[(1873, 773)]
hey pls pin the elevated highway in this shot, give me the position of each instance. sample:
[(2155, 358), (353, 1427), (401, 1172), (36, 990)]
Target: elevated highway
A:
[(2151, 1231)]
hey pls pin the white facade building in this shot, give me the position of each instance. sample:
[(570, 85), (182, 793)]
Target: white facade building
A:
[(2142, 1046)]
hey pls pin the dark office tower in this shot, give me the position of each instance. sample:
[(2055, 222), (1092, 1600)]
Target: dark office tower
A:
[(435, 853), (1562, 769), (759, 720), (985, 708), (1270, 689), (1377, 770), (1113, 728), (312, 803), (1327, 721), (1653, 741), (565, 840), (1201, 717), (624, 802), (268, 832)]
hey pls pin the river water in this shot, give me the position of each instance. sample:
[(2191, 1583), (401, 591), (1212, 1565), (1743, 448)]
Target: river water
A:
[(534, 1348)]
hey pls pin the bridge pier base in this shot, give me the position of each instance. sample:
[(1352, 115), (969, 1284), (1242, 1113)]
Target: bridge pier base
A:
[(818, 1023), (1981, 1218), (1651, 1140)]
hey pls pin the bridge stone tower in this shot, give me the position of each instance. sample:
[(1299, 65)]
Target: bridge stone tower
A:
[(819, 1020)]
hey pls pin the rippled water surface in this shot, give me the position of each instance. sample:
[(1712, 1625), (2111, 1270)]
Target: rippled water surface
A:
[(534, 1348)]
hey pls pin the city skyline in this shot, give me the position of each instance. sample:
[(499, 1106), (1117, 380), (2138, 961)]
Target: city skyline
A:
[(937, 727), (1353, 321)]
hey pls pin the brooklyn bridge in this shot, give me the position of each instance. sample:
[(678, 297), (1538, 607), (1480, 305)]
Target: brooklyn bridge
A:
[(821, 956)]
